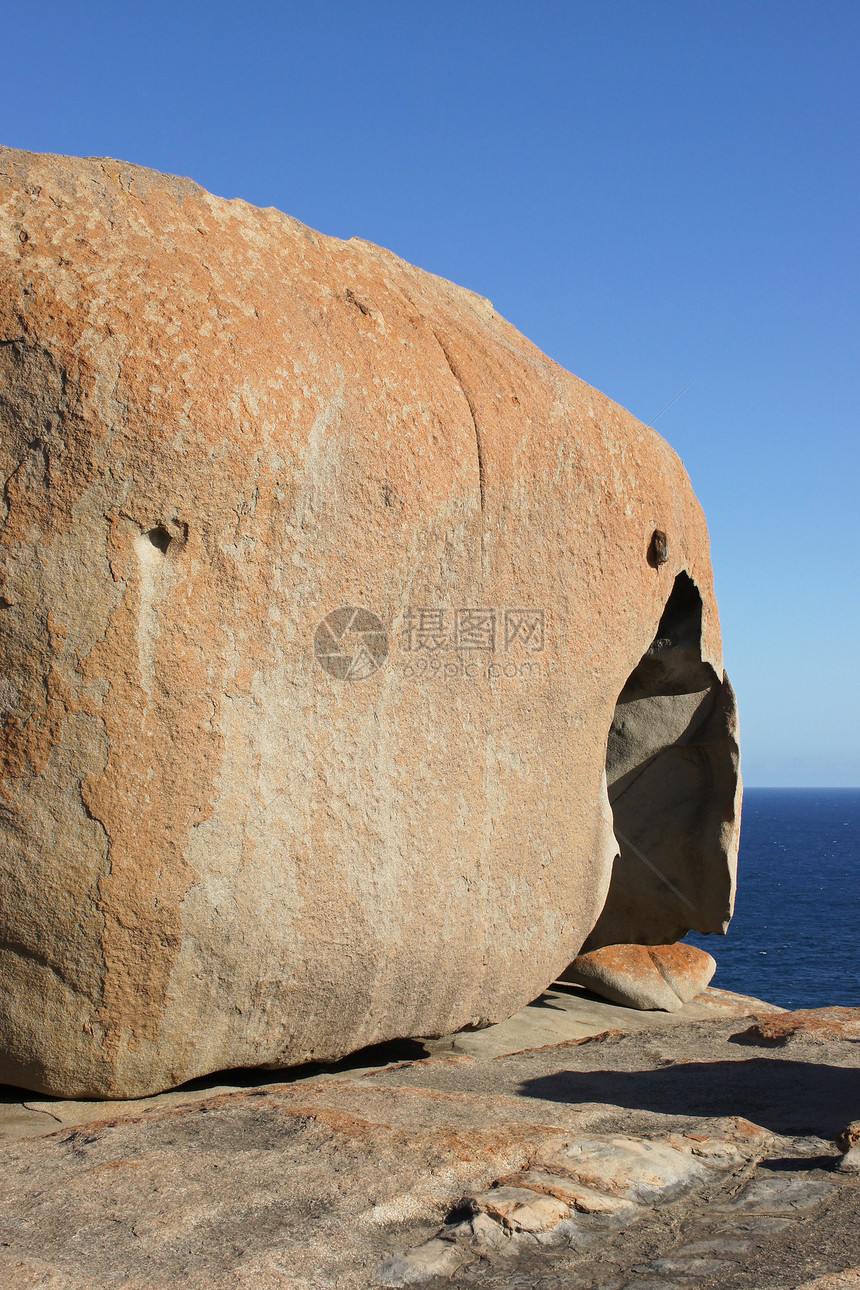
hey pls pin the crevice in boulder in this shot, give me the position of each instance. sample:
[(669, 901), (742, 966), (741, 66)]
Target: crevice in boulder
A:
[(160, 538), (479, 447), (672, 775)]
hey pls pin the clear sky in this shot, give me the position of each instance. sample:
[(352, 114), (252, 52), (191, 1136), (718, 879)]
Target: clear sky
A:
[(654, 192)]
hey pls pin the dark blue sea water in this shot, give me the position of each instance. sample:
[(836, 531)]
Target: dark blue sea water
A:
[(795, 936)]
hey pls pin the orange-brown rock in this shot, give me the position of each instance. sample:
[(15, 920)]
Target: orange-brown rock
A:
[(820, 1025), (848, 1142), (319, 587), (849, 1137), (658, 977)]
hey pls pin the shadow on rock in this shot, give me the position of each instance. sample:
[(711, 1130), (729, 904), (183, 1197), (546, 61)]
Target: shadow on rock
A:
[(784, 1096), (376, 1055)]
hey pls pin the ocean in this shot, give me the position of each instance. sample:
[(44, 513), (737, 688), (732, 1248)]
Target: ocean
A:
[(795, 936)]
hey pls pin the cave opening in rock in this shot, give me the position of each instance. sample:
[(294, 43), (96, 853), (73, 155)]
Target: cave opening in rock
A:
[(672, 776)]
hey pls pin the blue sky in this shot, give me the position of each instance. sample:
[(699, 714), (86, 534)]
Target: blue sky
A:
[(654, 192)]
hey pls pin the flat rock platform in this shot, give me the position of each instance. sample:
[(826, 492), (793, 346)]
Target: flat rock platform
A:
[(578, 1144)]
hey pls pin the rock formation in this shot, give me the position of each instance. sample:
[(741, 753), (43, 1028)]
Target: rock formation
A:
[(321, 590), (661, 977)]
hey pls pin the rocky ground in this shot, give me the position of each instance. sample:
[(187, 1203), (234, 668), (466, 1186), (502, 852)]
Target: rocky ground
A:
[(578, 1145)]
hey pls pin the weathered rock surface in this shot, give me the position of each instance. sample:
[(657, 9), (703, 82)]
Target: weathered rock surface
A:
[(662, 977), (849, 1279), (705, 1165), (820, 1025), (319, 585)]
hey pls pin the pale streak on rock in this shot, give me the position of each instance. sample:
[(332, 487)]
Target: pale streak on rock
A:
[(634, 1169), (434, 1259), (586, 1200), (521, 1209)]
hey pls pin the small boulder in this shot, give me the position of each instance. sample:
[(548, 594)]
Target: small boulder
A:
[(848, 1142), (849, 1137), (659, 978)]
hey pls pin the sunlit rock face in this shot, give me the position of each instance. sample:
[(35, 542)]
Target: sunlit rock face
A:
[(319, 586), (661, 978)]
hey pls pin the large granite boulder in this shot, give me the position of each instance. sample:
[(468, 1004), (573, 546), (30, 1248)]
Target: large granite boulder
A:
[(319, 586)]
